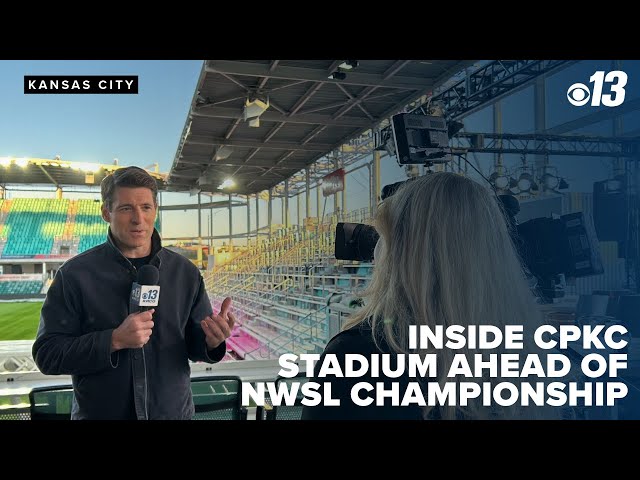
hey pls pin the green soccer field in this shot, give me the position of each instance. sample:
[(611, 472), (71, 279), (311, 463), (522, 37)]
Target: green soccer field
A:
[(19, 320)]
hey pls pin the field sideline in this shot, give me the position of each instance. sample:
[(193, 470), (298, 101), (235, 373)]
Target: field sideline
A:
[(19, 320)]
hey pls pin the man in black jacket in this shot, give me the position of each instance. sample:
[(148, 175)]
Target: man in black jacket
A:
[(127, 364)]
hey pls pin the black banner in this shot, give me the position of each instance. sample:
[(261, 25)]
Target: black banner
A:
[(56, 84)]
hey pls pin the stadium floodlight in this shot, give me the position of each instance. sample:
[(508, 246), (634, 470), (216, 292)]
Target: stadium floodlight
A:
[(525, 182), (5, 161), (500, 177), (22, 162), (550, 181)]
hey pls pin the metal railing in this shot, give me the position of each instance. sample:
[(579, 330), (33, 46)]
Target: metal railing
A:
[(289, 346), (291, 257)]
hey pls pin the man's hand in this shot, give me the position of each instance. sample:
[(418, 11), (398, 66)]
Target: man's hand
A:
[(133, 332), (217, 328)]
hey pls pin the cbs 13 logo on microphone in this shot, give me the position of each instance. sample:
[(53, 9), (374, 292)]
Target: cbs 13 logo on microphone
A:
[(149, 295), (608, 90)]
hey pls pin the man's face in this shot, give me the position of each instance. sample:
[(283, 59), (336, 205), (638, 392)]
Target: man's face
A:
[(132, 215)]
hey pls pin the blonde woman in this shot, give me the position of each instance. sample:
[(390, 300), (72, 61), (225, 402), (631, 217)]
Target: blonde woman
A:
[(445, 257)]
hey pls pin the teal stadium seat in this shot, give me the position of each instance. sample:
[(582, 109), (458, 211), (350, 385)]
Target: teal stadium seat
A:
[(51, 403), (218, 398), (31, 287), (32, 224), (284, 412), (90, 226)]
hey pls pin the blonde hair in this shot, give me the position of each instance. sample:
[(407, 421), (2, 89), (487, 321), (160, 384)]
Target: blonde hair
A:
[(447, 259)]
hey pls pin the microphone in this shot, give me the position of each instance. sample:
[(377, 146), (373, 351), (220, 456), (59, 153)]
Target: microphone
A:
[(146, 291)]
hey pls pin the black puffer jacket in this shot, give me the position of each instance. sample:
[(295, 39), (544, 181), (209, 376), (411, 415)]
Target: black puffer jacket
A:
[(88, 299)]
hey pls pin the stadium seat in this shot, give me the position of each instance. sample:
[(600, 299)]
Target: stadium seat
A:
[(14, 405), (218, 398), (51, 403), (89, 225), (28, 287), (32, 224), (215, 398), (15, 414)]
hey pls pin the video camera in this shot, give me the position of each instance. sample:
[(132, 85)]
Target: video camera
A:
[(417, 139), (356, 241), (547, 246), (550, 247)]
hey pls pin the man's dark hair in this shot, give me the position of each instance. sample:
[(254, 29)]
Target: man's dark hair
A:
[(131, 177)]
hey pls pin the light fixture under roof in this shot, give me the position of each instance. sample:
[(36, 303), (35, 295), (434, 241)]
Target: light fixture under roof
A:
[(348, 64), (499, 180), (253, 108), (526, 183), (550, 181), (222, 152), (337, 75), (228, 183)]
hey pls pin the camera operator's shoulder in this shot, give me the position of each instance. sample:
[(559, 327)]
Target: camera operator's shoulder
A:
[(357, 339)]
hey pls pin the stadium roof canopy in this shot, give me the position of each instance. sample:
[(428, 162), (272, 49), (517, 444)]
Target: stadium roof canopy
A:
[(59, 172), (261, 121)]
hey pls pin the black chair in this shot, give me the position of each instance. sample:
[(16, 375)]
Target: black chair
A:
[(218, 398), (11, 412), (284, 412), (51, 403)]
